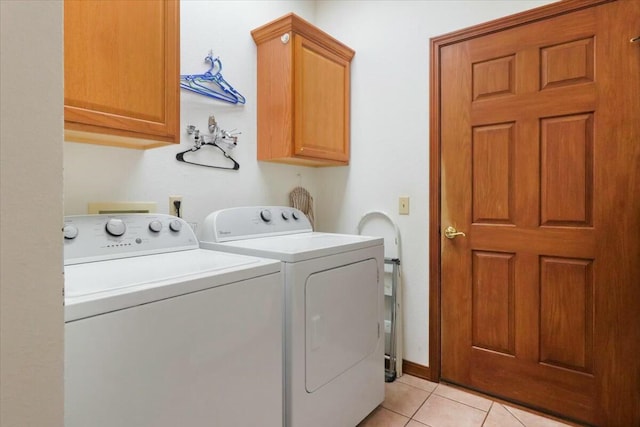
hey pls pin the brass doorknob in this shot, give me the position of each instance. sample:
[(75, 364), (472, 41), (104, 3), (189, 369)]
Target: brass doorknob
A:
[(451, 233)]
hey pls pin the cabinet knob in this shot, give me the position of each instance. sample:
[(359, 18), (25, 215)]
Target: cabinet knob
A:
[(284, 38)]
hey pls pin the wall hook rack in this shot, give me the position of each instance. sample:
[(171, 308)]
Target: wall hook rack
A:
[(221, 139)]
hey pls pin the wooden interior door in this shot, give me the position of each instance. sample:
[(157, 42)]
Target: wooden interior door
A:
[(540, 155)]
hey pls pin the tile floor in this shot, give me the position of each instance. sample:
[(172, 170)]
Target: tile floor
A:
[(414, 402)]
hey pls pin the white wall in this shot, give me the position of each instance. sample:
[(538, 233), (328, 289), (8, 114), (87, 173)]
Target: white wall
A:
[(389, 127), (94, 173), (31, 312)]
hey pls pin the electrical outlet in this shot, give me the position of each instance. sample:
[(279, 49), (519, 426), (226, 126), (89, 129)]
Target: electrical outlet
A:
[(172, 207), (403, 205)]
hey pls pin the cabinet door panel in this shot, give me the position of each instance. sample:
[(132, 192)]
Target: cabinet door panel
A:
[(121, 68), (321, 102)]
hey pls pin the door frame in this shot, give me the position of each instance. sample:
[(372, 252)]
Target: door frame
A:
[(436, 44)]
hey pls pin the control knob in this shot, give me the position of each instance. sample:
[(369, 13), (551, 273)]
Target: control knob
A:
[(266, 215), (116, 227), (70, 231), (295, 215), (175, 225), (155, 226), (285, 215)]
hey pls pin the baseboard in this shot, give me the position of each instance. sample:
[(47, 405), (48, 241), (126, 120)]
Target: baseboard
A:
[(417, 370)]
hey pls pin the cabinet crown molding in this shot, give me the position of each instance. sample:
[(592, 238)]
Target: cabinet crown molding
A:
[(293, 23)]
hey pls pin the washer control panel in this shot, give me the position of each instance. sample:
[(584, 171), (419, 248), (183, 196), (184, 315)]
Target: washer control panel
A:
[(89, 238), (251, 222)]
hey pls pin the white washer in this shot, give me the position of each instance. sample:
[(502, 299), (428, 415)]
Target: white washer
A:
[(334, 358), (161, 333)]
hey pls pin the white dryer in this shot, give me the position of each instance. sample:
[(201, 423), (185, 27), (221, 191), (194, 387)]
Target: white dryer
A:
[(161, 333), (334, 357)]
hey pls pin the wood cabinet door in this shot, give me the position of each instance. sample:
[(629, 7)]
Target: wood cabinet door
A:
[(121, 62), (321, 97), (540, 143)]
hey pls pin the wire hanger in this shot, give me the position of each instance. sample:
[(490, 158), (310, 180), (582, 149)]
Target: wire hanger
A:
[(219, 139), (212, 83)]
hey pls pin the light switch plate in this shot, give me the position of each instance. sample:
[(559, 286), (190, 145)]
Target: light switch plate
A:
[(403, 205)]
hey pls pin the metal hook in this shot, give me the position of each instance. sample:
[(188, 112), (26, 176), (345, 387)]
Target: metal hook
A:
[(213, 125)]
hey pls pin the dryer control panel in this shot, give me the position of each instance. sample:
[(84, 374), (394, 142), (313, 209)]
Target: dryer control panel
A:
[(252, 222), (89, 238)]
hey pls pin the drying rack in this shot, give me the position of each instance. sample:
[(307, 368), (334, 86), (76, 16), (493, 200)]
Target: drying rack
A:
[(377, 223), (391, 353)]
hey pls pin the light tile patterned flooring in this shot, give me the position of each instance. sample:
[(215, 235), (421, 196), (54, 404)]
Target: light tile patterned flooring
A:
[(414, 402)]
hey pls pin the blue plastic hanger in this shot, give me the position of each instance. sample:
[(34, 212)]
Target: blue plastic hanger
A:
[(212, 84)]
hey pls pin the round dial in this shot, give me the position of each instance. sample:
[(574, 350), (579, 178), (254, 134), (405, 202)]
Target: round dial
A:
[(175, 225), (285, 215), (155, 226), (295, 215), (266, 215), (70, 231), (116, 227)]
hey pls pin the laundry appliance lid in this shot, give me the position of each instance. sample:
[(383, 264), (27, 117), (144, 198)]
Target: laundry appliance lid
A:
[(98, 287), (297, 247)]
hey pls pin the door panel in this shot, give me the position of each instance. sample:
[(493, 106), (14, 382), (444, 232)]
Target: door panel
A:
[(493, 168), (566, 313), (539, 150), (566, 165), (493, 296)]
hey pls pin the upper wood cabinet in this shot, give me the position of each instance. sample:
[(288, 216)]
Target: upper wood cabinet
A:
[(303, 94), (121, 72)]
